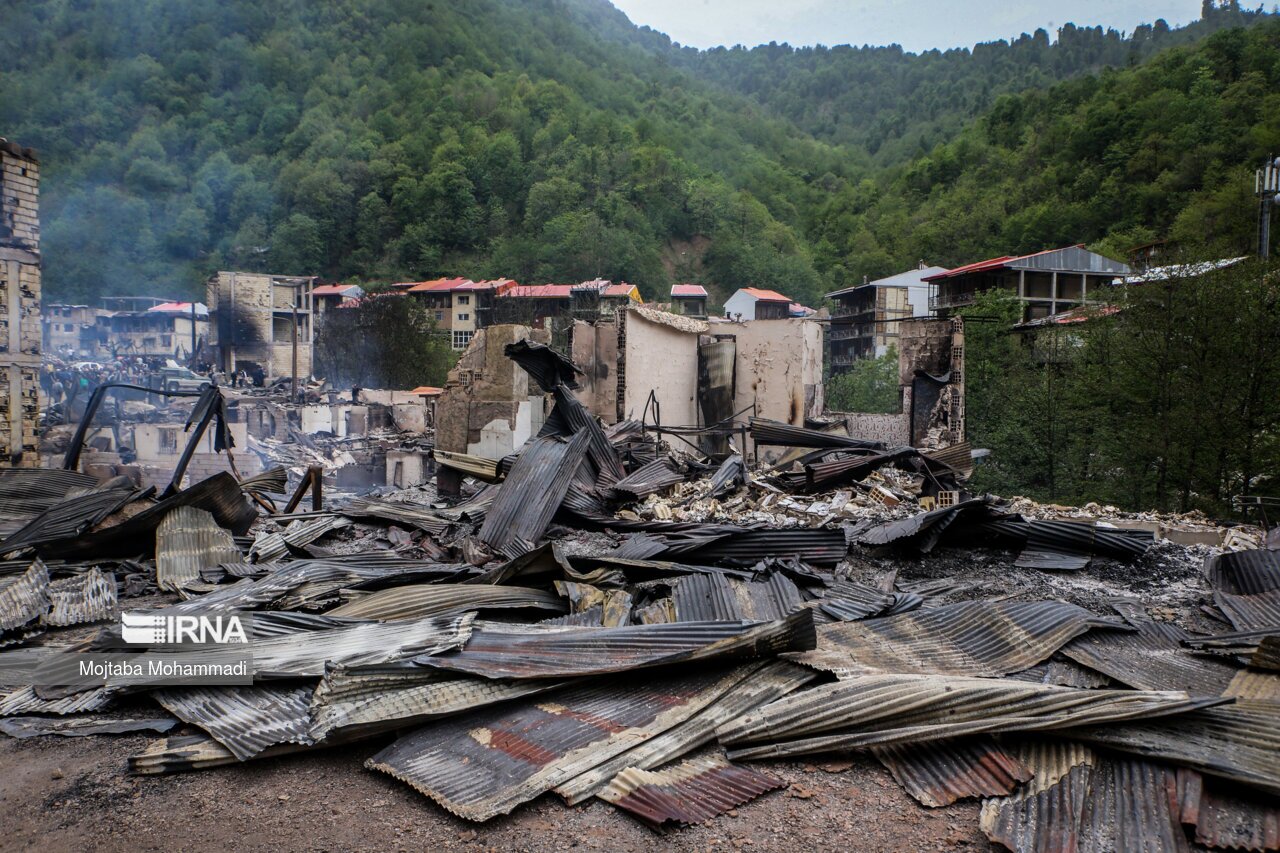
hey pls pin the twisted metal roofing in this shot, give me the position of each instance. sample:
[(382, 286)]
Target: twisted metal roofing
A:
[(417, 601), (939, 773), (246, 720), (188, 540), (86, 597), (690, 792)]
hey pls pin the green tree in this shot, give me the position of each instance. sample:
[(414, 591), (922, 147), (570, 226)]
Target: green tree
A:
[(871, 385)]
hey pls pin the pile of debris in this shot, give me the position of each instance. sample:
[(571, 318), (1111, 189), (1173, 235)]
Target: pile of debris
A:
[(613, 619)]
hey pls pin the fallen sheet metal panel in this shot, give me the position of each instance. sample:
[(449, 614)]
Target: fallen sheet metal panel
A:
[(26, 727), (496, 651), (748, 547), (646, 480), (768, 432), (23, 599), (546, 366), (185, 753), (305, 653), (1064, 673), (476, 466), (938, 774), (1082, 802), (371, 700), (712, 597), (68, 519), (759, 686), (691, 792), (486, 764), (1247, 588), (188, 541), (890, 709), (87, 597), (848, 601), (1238, 743), (970, 638), (1228, 817), (28, 491), (25, 701), (1151, 657), (422, 517), (533, 491), (246, 720), (298, 534), (417, 601)]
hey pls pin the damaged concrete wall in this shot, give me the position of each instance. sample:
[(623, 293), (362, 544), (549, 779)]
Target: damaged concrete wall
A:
[(252, 320), (20, 331), (595, 351), (489, 407), (779, 368), (931, 388), (661, 357)]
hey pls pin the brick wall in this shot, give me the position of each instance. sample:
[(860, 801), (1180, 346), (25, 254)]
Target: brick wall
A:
[(20, 328)]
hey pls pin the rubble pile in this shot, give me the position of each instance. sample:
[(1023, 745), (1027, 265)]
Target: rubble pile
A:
[(619, 620)]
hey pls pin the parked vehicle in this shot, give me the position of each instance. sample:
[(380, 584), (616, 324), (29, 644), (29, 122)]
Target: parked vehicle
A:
[(182, 379)]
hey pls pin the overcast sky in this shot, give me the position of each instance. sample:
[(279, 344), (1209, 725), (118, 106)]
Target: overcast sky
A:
[(915, 24)]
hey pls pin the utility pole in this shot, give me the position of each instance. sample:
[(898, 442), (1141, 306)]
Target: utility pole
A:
[(1266, 186), (193, 331), (293, 371)]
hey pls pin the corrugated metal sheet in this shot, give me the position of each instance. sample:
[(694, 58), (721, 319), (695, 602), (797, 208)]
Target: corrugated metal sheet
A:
[(1254, 685), (748, 547), (690, 792), (938, 774), (68, 518), (970, 638), (27, 491), (889, 709), (193, 752), (848, 601), (496, 651), (1238, 743), (86, 597), (705, 598), (25, 701), (1228, 818), (613, 606), (25, 727), (1083, 540), (187, 541), (367, 701), (246, 720), (306, 653), (545, 366), (759, 685), (1247, 587), (647, 480), (767, 432), (533, 490), (424, 518), (298, 534), (1151, 657), (1065, 673), (23, 598), (1079, 801), (420, 600), (486, 764)]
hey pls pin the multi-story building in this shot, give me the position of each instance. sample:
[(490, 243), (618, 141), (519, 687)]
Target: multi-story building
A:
[(69, 330), (164, 330), (689, 300), (866, 318), (259, 321), (326, 297), (753, 303), (1048, 282), (20, 330)]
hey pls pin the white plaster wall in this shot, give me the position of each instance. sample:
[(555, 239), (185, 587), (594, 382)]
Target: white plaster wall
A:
[(779, 367), (741, 303), (664, 360)]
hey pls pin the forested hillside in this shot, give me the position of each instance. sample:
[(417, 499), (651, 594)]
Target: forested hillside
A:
[(552, 140)]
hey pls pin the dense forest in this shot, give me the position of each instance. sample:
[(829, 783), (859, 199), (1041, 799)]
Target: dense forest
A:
[(551, 140)]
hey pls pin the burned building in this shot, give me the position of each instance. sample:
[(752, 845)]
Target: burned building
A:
[(20, 332), (261, 323), (930, 388), (866, 318)]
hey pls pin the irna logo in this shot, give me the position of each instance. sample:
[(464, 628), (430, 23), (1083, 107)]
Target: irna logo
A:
[(159, 629)]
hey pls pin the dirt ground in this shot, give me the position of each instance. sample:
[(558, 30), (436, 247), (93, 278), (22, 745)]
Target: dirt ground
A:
[(76, 794)]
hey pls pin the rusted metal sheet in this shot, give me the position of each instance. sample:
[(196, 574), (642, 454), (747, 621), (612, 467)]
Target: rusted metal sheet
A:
[(246, 720), (1238, 743), (417, 601), (533, 490), (25, 727), (25, 701), (890, 709), (760, 685), (193, 752), (1064, 673), (1228, 817), (709, 597), (496, 651), (1151, 657), (691, 792), (188, 541), (23, 599), (606, 608), (1080, 802), (938, 774), (848, 601), (485, 764), (970, 638), (370, 700), (422, 517), (87, 597)]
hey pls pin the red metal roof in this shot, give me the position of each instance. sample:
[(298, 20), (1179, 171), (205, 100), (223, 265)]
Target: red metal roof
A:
[(619, 289), (334, 289), (992, 264), (767, 295), (440, 285), (688, 290), (498, 285), (541, 291), (427, 391), (179, 307)]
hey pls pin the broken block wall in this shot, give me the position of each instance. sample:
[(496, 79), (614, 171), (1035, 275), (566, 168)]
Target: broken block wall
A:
[(20, 328)]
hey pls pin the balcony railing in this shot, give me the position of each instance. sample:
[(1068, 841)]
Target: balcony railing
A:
[(950, 300)]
